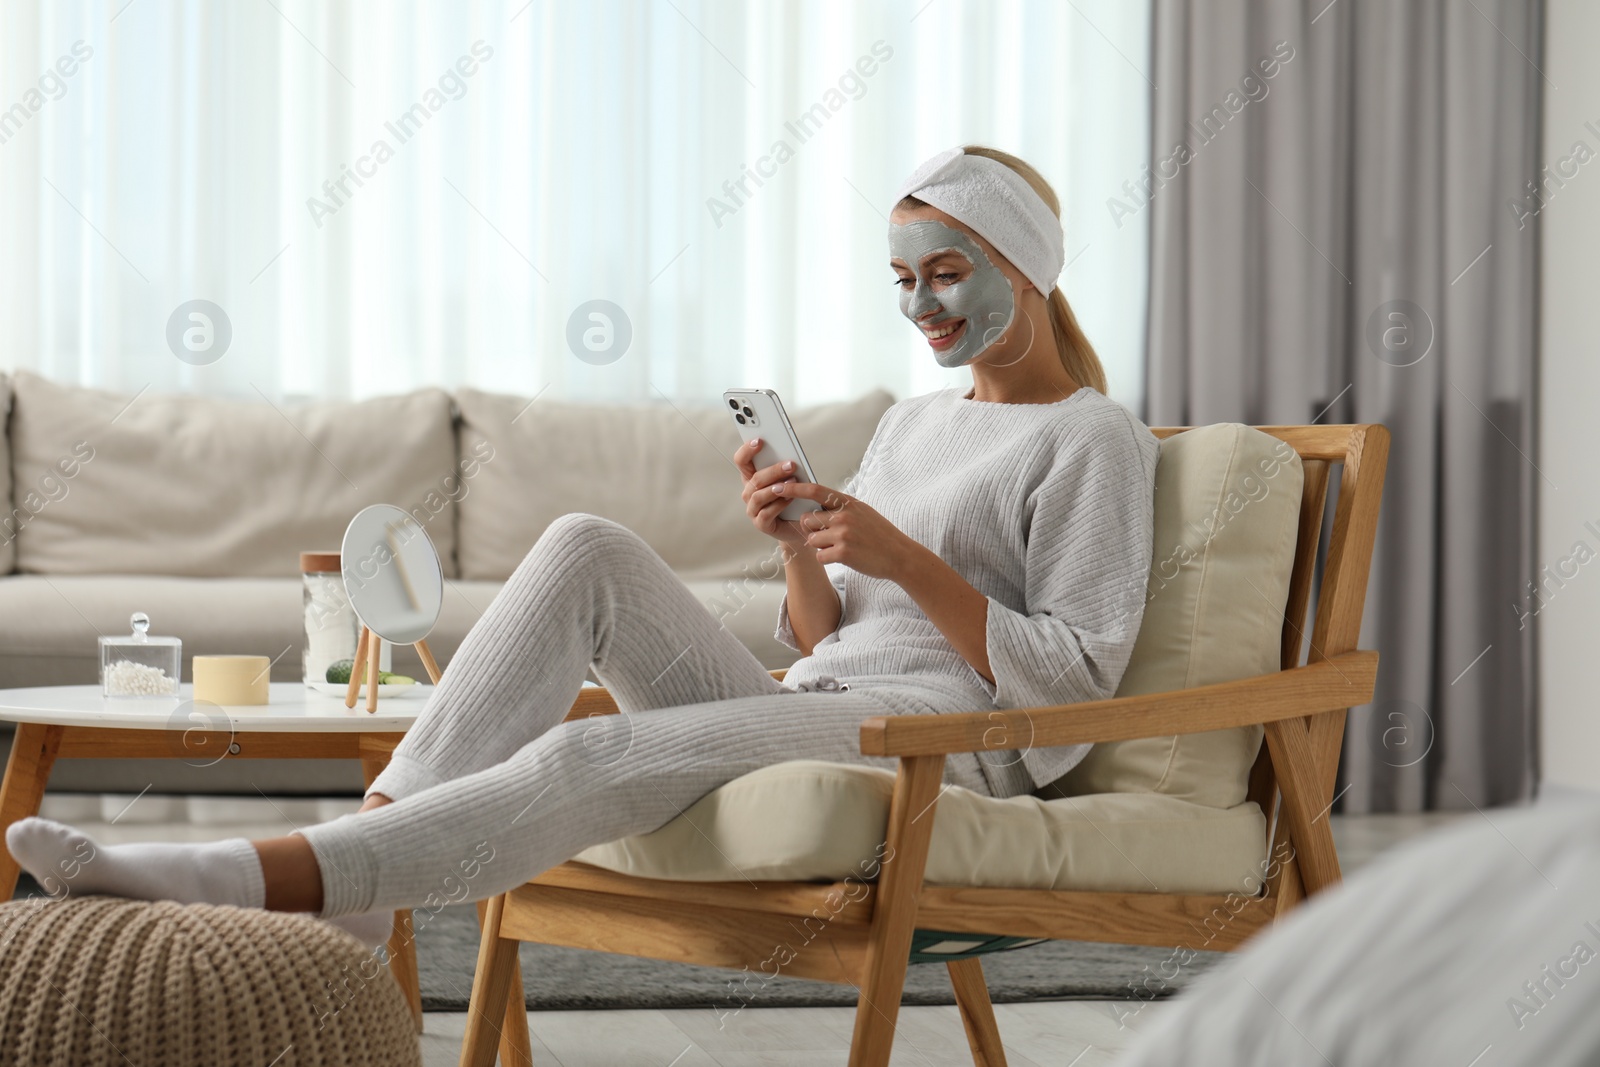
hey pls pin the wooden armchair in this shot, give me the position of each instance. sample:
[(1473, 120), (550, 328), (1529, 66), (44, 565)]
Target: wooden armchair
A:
[(867, 942)]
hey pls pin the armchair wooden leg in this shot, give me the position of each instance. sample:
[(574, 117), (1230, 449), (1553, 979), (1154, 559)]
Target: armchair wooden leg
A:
[(402, 940), (403, 963), (894, 913), (1300, 782), (497, 1019), (977, 1012)]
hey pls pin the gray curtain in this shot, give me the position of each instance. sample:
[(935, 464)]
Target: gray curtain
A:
[(1347, 234)]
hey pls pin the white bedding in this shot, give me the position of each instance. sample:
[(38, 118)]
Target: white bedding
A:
[(1478, 946)]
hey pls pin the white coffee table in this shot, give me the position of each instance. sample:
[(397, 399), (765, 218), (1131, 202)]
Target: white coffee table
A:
[(298, 723)]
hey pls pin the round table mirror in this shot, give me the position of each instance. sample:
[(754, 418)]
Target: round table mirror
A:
[(391, 574)]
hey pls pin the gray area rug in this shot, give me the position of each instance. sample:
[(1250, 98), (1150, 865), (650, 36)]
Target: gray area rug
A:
[(566, 978)]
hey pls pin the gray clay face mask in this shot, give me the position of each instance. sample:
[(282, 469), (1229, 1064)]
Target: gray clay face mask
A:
[(985, 298)]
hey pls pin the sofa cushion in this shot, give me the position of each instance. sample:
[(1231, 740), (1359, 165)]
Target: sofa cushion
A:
[(8, 528), (48, 625), (206, 487), (749, 609), (664, 471), (808, 819), (1227, 509)]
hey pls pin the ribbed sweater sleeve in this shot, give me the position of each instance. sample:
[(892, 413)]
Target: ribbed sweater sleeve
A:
[(1085, 566), (785, 630)]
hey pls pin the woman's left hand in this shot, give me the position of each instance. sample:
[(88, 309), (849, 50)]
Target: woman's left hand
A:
[(849, 532)]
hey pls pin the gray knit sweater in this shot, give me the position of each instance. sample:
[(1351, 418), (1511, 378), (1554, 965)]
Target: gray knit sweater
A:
[(1046, 509)]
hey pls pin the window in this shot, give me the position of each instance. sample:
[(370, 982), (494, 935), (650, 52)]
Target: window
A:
[(381, 196)]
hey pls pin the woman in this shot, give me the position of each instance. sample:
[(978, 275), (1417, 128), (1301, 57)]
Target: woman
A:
[(991, 552)]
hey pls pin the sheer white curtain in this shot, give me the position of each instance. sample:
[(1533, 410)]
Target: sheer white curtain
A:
[(386, 195)]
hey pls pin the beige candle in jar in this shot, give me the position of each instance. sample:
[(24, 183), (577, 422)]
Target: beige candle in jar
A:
[(232, 679)]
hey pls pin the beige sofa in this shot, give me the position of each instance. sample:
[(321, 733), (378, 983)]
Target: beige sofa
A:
[(195, 509)]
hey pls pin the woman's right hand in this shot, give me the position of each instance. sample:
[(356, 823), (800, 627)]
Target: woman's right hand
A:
[(761, 503)]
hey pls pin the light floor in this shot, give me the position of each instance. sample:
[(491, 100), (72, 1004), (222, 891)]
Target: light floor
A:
[(1081, 1033), (1067, 1033)]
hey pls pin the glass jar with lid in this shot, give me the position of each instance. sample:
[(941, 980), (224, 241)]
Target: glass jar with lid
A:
[(140, 665), (331, 625)]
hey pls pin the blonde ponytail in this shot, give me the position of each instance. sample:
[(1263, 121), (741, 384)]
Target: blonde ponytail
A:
[(1077, 354)]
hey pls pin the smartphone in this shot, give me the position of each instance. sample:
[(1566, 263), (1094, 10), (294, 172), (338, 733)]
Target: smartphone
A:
[(760, 413)]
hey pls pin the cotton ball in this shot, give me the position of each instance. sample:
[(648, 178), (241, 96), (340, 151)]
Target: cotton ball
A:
[(126, 678)]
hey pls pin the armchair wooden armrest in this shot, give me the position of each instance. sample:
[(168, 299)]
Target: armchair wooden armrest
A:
[(1333, 684), (1282, 702)]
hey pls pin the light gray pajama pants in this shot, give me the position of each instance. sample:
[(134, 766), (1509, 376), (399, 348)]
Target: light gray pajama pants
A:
[(491, 787)]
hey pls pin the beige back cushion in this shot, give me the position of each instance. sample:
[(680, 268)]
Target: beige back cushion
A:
[(12, 521), (1227, 511), (207, 487), (663, 471)]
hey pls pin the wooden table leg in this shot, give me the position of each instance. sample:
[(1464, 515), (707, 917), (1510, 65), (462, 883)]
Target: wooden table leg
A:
[(402, 942), (33, 753)]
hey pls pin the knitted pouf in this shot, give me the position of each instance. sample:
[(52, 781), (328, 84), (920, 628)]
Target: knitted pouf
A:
[(97, 981)]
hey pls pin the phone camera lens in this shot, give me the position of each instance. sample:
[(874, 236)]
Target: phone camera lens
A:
[(732, 403), (750, 413), (740, 418)]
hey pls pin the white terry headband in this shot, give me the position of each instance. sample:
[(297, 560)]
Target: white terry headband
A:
[(1000, 205)]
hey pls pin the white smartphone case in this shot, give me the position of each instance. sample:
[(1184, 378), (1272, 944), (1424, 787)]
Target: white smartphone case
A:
[(759, 413)]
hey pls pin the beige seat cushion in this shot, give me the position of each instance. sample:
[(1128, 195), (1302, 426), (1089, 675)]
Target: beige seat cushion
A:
[(663, 471), (1226, 517), (204, 487), (808, 819)]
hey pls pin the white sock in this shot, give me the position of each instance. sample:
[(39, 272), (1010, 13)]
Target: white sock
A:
[(222, 872)]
